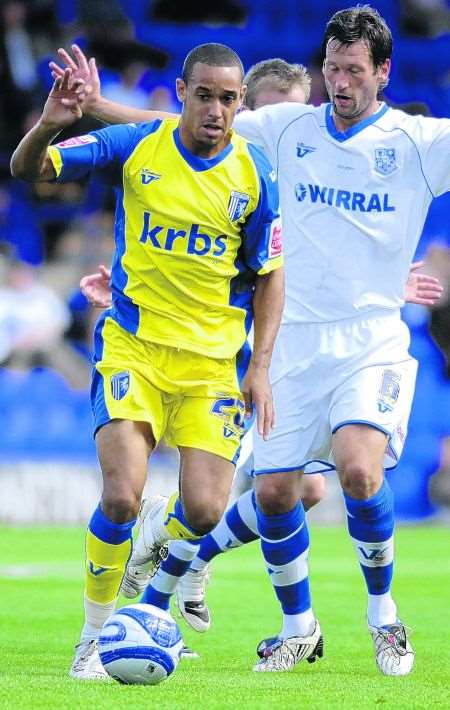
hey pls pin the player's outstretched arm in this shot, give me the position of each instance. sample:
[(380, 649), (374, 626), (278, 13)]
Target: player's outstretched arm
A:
[(93, 103), (96, 288), (268, 302), (62, 108), (422, 289)]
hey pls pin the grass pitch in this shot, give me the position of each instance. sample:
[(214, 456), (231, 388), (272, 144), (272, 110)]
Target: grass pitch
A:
[(41, 580)]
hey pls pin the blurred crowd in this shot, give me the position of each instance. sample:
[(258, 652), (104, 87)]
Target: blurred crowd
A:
[(51, 235)]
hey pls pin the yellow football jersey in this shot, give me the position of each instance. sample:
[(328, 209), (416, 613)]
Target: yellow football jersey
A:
[(191, 233)]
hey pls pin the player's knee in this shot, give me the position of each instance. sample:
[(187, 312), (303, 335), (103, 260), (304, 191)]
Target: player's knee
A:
[(203, 516), (274, 497), (313, 492), (120, 506), (358, 481)]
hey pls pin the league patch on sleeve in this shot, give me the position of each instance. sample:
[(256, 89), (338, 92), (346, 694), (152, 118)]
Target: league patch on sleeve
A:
[(76, 141), (275, 245)]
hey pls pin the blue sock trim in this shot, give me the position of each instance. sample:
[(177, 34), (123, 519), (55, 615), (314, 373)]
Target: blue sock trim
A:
[(281, 553), (104, 529), (174, 566), (238, 527), (378, 579), (294, 598), (371, 520), (277, 527), (159, 599), (208, 548)]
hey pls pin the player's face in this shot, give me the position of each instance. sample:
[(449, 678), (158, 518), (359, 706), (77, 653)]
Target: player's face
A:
[(268, 94), (352, 81), (210, 100)]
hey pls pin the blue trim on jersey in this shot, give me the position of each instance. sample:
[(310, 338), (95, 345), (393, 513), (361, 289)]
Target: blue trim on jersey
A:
[(106, 530), (258, 227), (342, 136), (98, 403), (297, 118), (194, 161), (124, 311), (362, 421), (110, 149)]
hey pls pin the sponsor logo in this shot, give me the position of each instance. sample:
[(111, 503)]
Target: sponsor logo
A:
[(197, 243), (375, 555), (344, 199), (147, 176), (276, 245), (76, 141), (389, 391), (120, 384), (96, 571), (237, 205), (303, 150), (385, 162)]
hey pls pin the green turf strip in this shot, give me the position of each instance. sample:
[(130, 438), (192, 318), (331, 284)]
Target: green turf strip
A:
[(40, 617)]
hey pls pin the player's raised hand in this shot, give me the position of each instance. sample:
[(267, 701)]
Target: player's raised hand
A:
[(422, 289), (258, 394), (96, 288), (63, 105), (83, 69)]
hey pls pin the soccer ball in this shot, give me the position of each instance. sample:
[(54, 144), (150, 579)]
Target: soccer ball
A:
[(140, 644)]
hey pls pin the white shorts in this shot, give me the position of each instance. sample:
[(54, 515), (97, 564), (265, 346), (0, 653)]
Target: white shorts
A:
[(327, 375)]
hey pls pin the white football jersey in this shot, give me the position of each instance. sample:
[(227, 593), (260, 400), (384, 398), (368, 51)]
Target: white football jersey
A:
[(353, 204)]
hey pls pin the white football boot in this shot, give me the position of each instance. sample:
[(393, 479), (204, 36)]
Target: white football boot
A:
[(148, 551), (191, 599), (279, 655), (87, 664), (393, 652)]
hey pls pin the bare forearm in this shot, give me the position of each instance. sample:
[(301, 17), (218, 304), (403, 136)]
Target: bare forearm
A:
[(29, 160), (112, 112), (268, 303)]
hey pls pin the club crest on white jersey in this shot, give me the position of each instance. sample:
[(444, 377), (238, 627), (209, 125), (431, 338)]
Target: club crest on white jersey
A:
[(385, 161)]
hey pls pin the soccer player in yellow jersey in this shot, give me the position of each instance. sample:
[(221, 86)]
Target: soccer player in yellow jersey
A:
[(197, 258)]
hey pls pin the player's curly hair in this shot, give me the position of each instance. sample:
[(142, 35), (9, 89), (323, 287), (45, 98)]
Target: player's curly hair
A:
[(284, 74), (212, 54), (364, 23)]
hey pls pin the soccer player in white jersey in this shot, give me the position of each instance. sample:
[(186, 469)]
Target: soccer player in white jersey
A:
[(356, 179)]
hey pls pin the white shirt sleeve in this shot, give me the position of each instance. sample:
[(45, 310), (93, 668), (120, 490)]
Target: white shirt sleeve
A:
[(265, 125), (434, 146)]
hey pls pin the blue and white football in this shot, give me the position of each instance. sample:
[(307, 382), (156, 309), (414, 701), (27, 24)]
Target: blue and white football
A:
[(140, 644)]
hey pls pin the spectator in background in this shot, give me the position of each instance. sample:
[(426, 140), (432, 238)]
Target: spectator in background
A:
[(32, 317), (18, 74), (424, 18)]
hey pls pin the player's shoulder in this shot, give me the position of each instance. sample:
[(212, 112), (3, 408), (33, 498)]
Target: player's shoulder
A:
[(420, 129), (256, 156), (287, 112)]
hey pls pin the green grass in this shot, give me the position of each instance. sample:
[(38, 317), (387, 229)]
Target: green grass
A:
[(40, 616)]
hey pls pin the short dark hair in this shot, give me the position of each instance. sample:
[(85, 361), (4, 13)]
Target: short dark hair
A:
[(364, 23), (212, 54), (284, 74)]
